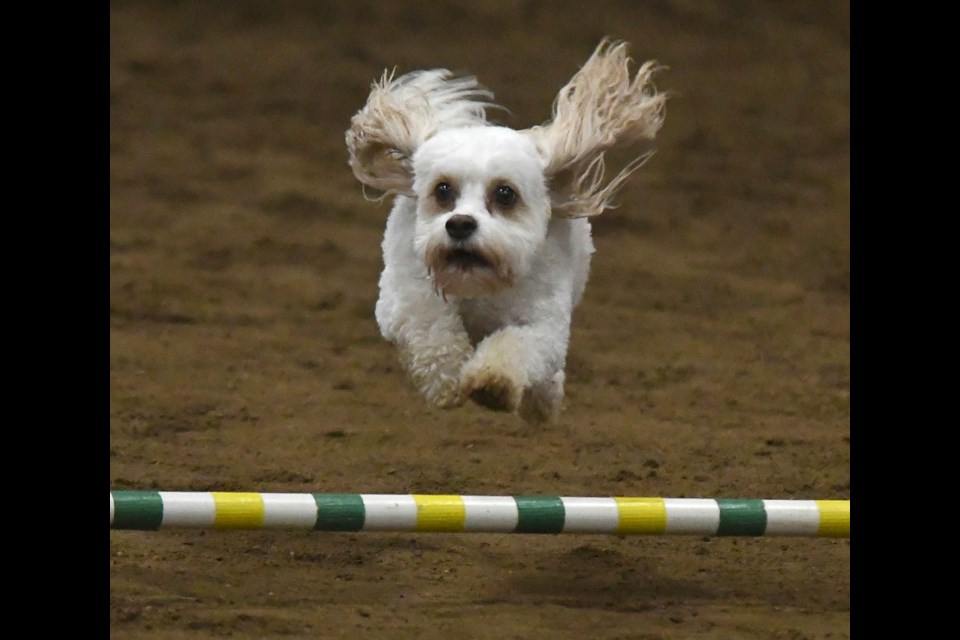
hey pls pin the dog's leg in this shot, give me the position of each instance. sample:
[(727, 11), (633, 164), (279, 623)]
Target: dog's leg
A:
[(432, 341), (516, 368), (433, 353), (428, 332)]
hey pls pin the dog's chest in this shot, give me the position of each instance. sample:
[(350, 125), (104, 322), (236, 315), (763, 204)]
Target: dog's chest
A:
[(481, 317)]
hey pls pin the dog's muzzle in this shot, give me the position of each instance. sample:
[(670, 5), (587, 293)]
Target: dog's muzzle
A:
[(460, 226)]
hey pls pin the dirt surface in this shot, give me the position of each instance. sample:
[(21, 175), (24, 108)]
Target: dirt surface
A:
[(710, 356)]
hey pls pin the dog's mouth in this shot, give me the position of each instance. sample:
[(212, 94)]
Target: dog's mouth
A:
[(467, 272), (466, 260)]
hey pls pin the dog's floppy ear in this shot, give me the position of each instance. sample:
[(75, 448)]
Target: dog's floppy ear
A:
[(600, 108), (402, 113)]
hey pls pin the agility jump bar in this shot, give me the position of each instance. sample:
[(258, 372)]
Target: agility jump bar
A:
[(155, 510)]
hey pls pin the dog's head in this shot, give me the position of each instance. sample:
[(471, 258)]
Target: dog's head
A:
[(484, 194), (482, 207)]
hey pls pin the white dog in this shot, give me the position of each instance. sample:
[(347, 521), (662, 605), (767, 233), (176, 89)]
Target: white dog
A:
[(487, 247)]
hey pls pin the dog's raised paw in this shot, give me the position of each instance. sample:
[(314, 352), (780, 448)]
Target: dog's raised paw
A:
[(494, 391)]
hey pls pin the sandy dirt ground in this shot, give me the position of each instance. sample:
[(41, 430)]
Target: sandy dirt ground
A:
[(710, 356)]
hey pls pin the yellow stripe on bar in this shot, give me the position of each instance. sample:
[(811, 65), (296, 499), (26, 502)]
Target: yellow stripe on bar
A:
[(237, 510), (440, 512), (834, 518), (641, 515)]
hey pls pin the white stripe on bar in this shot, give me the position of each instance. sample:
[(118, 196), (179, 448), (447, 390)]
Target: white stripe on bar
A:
[(490, 514), (692, 515), (388, 512), (188, 509), (296, 510), (590, 515), (791, 517), (112, 509)]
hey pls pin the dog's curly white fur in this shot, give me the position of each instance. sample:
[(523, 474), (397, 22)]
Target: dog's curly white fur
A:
[(487, 247)]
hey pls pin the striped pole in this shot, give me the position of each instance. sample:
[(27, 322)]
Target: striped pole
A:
[(154, 510)]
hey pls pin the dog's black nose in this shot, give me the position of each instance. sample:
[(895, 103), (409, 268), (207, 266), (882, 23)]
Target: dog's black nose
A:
[(460, 226)]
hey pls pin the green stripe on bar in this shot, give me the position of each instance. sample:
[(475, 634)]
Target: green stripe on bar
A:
[(339, 512), (741, 517), (138, 510), (539, 514)]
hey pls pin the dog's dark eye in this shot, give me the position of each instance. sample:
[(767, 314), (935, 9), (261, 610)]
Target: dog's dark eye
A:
[(505, 196), (443, 193)]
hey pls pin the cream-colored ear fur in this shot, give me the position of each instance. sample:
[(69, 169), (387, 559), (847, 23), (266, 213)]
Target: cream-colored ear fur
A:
[(400, 114), (600, 108)]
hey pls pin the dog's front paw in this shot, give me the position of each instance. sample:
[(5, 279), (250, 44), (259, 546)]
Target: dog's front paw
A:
[(542, 401), (435, 371), (492, 389), (442, 392)]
